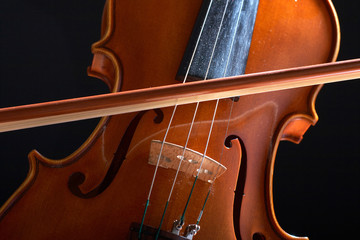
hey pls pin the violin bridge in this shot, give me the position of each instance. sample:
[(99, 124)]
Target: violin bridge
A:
[(172, 154)]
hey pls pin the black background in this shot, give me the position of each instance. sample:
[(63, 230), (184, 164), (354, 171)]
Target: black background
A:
[(45, 50)]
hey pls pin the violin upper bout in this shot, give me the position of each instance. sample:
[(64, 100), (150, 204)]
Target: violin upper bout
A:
[(296, 128), (296, 125), (103, 69), (106, 65)]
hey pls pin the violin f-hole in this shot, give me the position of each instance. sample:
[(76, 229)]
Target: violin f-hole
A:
[(77, 178)]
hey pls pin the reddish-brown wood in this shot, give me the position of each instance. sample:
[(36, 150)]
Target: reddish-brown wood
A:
[(144, 41), (41, 114)]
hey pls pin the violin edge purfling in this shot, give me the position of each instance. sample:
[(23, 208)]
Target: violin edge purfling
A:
[(248, 214)]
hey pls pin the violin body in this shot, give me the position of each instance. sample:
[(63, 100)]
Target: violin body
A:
[(100, 189)]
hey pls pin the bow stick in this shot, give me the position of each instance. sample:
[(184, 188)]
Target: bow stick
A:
[(47, 113)]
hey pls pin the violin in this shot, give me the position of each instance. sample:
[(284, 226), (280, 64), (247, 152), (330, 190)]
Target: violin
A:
[(281, 165)]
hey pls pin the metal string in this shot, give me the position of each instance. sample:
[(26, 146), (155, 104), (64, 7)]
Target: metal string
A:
[(172, 116), (210, 131), (192, 124), (214, 114)]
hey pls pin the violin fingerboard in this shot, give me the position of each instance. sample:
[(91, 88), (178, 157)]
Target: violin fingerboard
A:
[(220, 41)]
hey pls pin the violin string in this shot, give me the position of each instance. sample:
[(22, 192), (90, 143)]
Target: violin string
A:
[(211, 127), (177, 173), (171, 118), (224, 74), (203, 207), (217, 171), (218, 168), (192, 123), (214, 114)]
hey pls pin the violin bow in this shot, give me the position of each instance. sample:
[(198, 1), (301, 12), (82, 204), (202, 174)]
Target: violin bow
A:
[(47, 113)]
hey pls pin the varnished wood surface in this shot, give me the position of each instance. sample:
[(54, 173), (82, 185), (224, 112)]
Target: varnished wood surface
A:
[(308, 135), (62, 111)]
